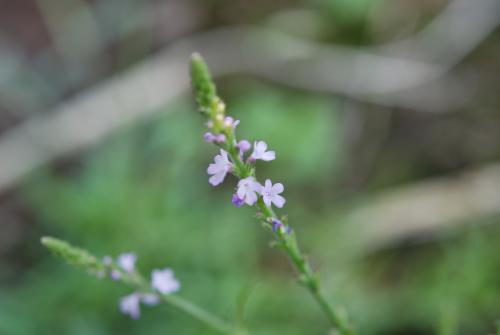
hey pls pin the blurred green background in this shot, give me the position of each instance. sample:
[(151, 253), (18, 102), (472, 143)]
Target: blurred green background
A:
[(397, 201)]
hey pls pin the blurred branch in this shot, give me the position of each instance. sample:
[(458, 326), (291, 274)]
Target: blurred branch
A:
[(423, 210), (452, 35), (23, 77), (360, 74)]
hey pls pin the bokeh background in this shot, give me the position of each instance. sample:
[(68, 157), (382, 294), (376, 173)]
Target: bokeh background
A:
[(385, 118)]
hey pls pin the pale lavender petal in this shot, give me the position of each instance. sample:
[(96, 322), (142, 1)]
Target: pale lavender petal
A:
[(216, 179), (164, 281), (243, 146), (150, 299), (268, 156), (208, 137), (115, 275), (268, 185), (212, 168), (261, 146), (257, 187), (278, 188), (219, 160), (228, 121), (279, 201), (251, 198), (129, 305), (267, 200), (221, 138), (224, 154), (240, 191), (127, 261)]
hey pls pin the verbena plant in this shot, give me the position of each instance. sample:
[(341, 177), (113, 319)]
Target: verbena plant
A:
[(236, 157)]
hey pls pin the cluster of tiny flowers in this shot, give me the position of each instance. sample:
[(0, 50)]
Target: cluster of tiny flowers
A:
[(249, 188), (163, 281), (227, 122)]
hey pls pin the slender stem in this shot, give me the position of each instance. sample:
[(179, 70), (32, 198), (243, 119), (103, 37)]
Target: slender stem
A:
[(187, 307), (311, 281), (288, 243), (198, 313)]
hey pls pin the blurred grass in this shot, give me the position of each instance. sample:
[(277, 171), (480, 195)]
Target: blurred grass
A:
[(145, 190)]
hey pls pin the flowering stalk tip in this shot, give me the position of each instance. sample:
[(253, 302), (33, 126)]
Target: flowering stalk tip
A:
[(201, 80), (249, 191), (72, 255)]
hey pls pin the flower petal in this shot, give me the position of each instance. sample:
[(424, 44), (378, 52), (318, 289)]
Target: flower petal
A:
[(212, 169), (267, 200), (268, 156), (257, 187), (250, 198), (130, 305), (217, 178), (278, 188), (261, 146), (279, 201)]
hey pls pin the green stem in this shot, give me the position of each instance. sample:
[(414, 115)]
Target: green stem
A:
[(289, 244), (307, 277), (189, 308), (198, 313)]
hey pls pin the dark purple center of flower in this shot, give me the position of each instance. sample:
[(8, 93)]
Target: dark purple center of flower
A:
[(237, 201)]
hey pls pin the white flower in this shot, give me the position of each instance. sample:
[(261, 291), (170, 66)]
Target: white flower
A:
[(130, 305), (127, 261), (219, 169), (270, 194), (164, 281), (259, 152), (247, 189)]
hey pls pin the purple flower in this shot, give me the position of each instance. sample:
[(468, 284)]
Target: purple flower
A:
[(150, 299), (259, 152), (115, 275), (229, 122), (243, 146), (270, 194), (237, 201), (247, 189), (211, 138), (164, 281), (219, 169), (276, 224), (127, 261), (129, 305)]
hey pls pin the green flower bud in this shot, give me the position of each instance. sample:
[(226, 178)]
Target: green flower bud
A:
[(201, 80), (74, 256)]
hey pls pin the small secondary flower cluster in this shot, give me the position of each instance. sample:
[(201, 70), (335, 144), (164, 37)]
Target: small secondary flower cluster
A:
[(162, 282)]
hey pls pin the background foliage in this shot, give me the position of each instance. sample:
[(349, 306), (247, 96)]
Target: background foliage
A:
[(144, 188)]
